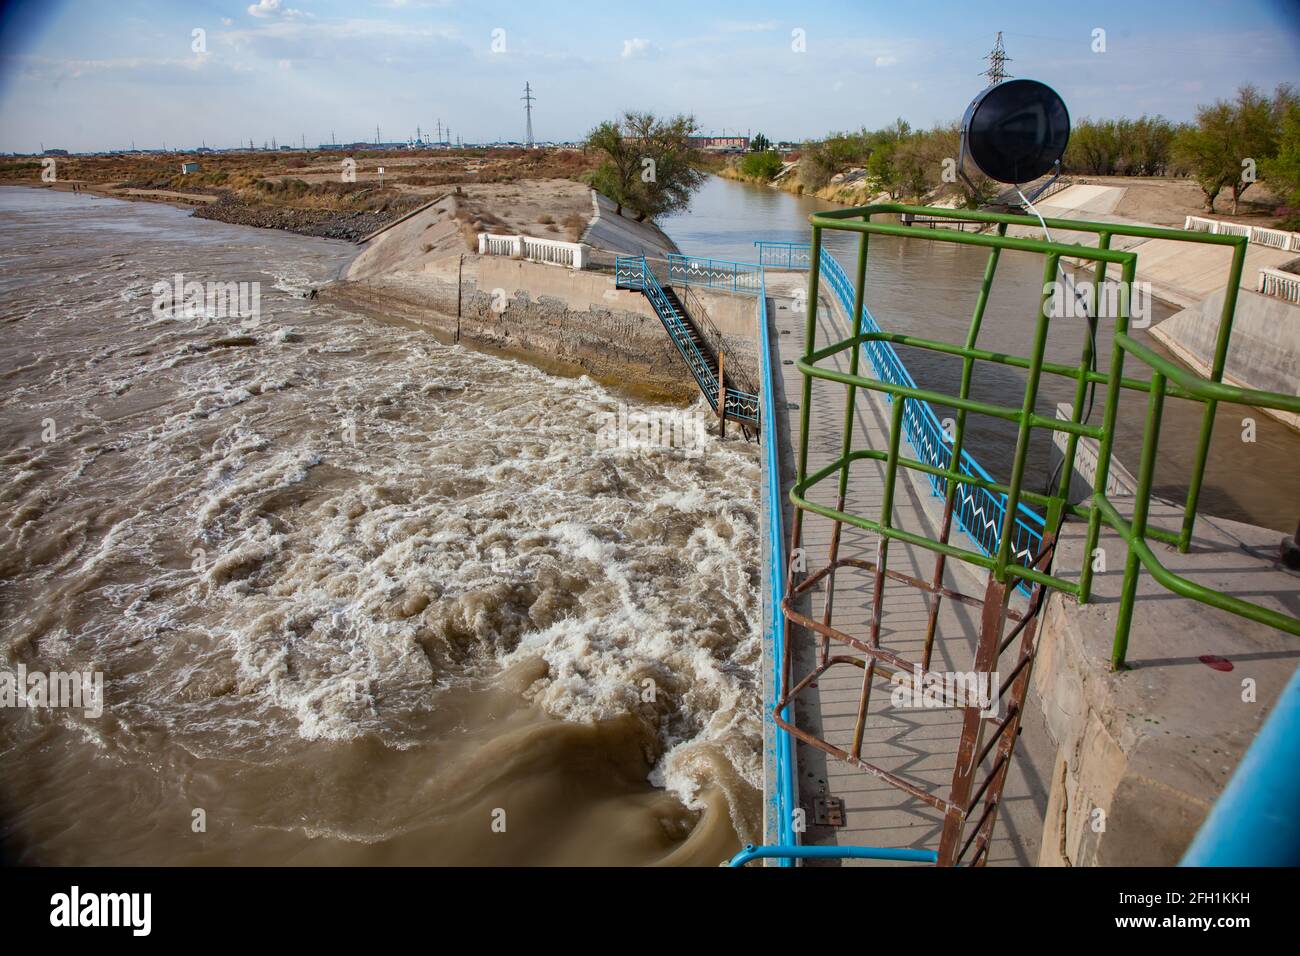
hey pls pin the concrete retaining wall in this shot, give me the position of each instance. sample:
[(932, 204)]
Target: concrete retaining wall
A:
[(1264, 351), (1120, 482), (569, 322)]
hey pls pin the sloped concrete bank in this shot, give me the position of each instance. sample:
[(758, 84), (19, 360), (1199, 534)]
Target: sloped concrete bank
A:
[(1264, 352), (564, 321)]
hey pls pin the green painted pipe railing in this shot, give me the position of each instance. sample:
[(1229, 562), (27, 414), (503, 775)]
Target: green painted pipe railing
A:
[(1167, 380)]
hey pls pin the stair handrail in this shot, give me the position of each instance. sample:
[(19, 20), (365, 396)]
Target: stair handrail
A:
[(635, 272), (699, 312)]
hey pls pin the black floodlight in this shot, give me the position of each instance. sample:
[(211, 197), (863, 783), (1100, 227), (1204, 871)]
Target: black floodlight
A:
[(1015, 131)]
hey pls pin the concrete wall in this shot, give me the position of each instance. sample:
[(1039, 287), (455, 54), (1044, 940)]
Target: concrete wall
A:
[(1120, 482), (1264, 351), (1143, 753), (570, 322)]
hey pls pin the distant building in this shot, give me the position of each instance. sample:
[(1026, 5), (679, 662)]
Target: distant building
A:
[(187, 168), (721, 143)]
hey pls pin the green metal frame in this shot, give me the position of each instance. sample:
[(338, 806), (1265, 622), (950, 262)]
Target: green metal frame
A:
[(1168, 379)]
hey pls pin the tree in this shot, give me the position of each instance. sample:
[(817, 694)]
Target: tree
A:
[(760, 144), (1226, 143), (650, 165), (911, 164), (1282, 172), (880, 166), (615, 175)]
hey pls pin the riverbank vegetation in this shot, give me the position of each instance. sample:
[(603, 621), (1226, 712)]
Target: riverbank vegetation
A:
[(1230, 146)]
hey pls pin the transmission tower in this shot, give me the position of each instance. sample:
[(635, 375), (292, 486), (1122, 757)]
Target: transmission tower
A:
[(998, 60), (528, 111)]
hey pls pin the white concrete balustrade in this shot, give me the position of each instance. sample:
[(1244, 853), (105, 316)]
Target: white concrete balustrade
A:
[(1273, 238), (572, 255), (1284, 285)]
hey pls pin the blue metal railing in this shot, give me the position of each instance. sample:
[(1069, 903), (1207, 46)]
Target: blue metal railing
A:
[(784, 255), (977, 511), (633, 272), (743, 277), (786, 797), (790, 852)]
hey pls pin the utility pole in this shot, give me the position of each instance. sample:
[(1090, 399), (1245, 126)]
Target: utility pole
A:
[(439, 131), (376, 134), (528, 111), (998, 59)]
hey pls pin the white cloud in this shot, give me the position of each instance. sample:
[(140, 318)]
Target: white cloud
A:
[(886, 60), (271, 8), (635, 47)]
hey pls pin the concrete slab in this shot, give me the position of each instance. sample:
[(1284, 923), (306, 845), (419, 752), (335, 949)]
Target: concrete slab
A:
[(1084, 198)]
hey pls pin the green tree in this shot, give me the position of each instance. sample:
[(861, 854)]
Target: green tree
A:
[(650, 165), (760, 144), (1282, 172), (616, 173), (912, 167), (881, 168), (1226, 143)]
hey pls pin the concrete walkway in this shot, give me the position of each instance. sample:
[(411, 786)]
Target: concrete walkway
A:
[(918, 744)]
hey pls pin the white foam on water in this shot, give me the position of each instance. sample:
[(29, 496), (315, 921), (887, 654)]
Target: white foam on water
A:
[(312, 537)]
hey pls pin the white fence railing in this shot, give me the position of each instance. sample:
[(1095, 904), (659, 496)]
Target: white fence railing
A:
[(572, 255), (1273, 238), (1284, 285)]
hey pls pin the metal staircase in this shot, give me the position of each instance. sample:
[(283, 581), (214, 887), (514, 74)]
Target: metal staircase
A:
[(739, 400)]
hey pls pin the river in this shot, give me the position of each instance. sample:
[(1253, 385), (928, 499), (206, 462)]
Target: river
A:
[(929, 289), (354, 596)]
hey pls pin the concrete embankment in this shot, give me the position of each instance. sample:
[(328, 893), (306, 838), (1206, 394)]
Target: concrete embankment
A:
[(1180, 273), (567, 321), (1265, 348)]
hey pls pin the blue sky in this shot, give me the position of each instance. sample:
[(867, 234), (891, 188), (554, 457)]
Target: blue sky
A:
[(89, 74)]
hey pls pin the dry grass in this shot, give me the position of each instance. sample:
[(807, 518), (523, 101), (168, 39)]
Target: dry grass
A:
[(313, 180), (574, 226)]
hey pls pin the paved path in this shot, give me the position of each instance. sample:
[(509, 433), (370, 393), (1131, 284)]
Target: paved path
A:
[(918, 744)]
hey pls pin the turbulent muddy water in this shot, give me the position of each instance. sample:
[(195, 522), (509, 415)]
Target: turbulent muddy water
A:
[(356, 596)]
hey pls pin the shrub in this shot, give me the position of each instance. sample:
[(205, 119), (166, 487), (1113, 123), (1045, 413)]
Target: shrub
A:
[(761, 166)]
